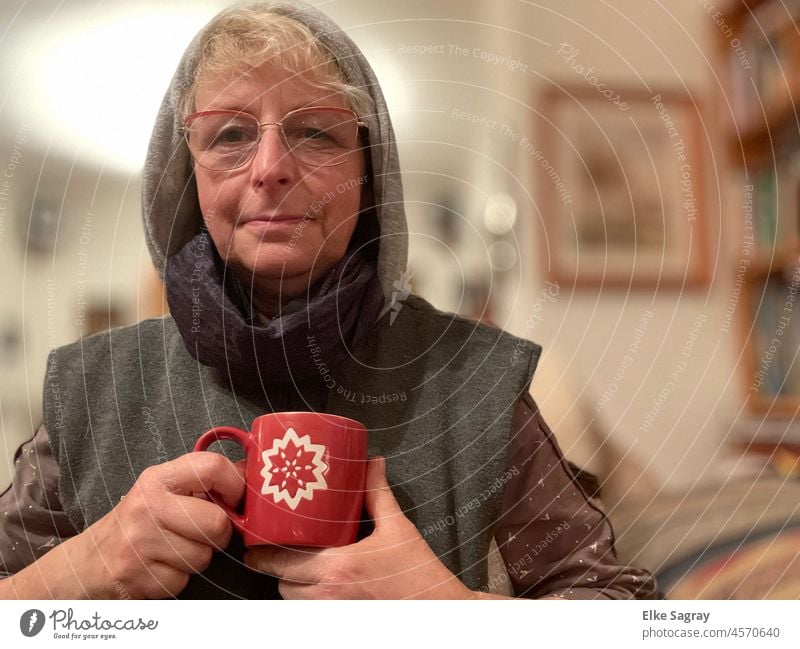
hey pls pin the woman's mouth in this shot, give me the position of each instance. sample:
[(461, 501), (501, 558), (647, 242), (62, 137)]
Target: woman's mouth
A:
[(277, 222)]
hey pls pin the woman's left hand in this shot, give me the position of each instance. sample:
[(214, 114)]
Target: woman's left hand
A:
[(394, 562)]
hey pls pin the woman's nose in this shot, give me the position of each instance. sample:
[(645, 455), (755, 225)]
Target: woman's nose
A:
[(273, 163)]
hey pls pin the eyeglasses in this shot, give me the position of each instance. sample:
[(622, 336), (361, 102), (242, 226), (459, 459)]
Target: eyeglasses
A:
[(318, 136)]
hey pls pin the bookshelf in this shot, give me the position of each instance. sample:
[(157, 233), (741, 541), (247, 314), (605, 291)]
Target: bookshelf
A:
[(759, 44)]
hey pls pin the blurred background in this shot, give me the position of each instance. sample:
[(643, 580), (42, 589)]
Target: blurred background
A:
[(615, 180)]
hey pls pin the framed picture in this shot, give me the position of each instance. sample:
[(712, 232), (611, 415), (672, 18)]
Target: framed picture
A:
[(622, 188)]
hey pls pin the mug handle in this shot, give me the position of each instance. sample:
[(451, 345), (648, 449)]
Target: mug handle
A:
[(235, 435)]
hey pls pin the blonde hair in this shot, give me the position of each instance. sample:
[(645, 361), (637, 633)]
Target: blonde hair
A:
[(244, 37)]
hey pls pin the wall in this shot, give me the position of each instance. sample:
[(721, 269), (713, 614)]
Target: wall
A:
[(674, 429), (471, 68)]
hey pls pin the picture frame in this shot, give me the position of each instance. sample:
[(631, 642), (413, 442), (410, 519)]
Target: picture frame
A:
[(622, 188)]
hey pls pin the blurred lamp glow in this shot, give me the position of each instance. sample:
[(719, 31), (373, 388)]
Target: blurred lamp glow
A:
[(500, 214), (502, 256), (90, 82)]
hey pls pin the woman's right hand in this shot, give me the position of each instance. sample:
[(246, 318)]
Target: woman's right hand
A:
[(160, 534), (149, 544)]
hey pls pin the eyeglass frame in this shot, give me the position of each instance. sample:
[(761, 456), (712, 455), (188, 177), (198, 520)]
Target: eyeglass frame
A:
[(184, 130)]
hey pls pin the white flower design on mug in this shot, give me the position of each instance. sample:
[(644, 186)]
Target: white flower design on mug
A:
[(293, 469)]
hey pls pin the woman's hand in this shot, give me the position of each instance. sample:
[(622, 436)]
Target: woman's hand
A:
[(394, 562), (159, 534)]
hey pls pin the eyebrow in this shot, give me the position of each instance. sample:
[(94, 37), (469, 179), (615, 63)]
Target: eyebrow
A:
[(239, 108)]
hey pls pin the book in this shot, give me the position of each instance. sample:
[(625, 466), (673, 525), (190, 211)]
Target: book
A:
[(765, 209), (758, 430)]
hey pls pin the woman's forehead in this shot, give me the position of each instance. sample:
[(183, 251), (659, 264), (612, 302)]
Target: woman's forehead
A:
[(241, 88)]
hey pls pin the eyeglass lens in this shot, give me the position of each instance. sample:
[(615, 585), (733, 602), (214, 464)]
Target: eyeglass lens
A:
[(318, 138)]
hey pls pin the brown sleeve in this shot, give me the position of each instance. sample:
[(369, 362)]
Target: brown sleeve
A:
[(32, 520), (556, 541)]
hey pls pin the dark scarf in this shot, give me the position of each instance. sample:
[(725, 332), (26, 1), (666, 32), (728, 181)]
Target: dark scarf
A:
[(312, 335)]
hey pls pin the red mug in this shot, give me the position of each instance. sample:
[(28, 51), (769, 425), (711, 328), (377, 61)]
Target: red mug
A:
[(305, 474)]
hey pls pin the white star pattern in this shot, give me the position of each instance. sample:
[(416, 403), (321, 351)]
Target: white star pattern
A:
[(291, 459)]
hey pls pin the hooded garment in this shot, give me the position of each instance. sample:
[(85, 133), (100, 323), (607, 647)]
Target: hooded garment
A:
[(435, 391), (339, 311), (169, 195)]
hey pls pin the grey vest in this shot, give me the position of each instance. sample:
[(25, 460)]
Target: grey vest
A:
[(436, 392)]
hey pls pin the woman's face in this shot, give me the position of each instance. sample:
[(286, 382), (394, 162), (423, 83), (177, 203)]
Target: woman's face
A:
[(277, 222)]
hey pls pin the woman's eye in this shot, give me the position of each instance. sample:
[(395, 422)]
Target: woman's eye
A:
[(308, 135), (315, 134), (232, 135), (311, 133)]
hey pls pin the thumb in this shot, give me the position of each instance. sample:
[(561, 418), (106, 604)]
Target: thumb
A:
[(379, 500)]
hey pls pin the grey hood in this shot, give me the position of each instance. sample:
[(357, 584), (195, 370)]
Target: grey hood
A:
[(170, 208)]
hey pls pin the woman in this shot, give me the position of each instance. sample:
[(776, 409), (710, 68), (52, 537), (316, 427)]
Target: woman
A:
[(273, 207)]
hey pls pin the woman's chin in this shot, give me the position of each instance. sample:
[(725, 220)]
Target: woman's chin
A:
[(288, 263), (277, 270)]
